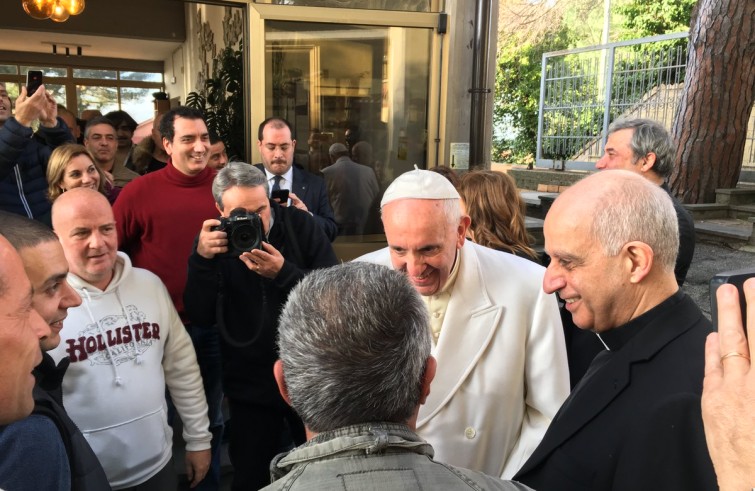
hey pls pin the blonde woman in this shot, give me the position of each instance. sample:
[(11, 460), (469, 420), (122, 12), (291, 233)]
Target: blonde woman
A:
[(497, 212), (72, 166)]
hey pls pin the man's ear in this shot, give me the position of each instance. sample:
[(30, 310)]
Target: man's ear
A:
[(649, 161), (464, 224), (218, 208), (639, 258), (427, 377), (168, 146), (281, 381)]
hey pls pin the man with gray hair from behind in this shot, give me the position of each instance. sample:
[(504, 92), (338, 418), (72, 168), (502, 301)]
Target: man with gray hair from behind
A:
[(355, 364)]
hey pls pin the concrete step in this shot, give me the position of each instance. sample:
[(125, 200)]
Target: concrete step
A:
[(733, 232), (735, 196), (708, 211), (742, 212), (534, 227), (537, 203)]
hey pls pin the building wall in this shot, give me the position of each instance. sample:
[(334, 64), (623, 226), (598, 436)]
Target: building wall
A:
[(157, 20), (211, 29)]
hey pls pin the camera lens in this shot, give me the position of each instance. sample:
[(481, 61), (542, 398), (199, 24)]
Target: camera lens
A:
[(245, 237)]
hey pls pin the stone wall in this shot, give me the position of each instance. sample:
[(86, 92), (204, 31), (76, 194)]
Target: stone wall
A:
[(549, 181)]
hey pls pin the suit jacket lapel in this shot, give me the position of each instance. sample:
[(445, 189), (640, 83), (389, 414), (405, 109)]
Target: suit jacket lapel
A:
[(603, 387), (613, 378), (471, 320), (300, 184)]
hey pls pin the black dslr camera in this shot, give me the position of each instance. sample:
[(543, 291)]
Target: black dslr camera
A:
[(244, 231)]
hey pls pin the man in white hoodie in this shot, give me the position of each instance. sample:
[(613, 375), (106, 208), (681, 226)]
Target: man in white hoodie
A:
[(125, 343)]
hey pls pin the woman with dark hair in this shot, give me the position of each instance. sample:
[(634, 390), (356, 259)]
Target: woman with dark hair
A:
[(497, 211), (448, 173)]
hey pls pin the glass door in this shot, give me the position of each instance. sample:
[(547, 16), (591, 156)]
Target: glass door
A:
[(364, 86)]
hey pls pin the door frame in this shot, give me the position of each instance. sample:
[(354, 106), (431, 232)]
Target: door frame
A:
[(258, 14)]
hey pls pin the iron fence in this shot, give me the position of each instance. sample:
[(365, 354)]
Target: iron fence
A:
[(583, 90)]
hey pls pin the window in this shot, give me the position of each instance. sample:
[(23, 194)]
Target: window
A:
[(92, 88)]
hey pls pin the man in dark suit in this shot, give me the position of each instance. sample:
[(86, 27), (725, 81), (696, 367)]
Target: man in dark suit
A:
[(633, 422), (307, 191)]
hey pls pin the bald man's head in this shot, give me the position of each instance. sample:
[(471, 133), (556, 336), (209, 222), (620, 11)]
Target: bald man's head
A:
[(613, 240), (84, 222)]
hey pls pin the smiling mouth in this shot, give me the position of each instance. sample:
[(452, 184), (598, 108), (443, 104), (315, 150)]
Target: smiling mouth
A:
[(420, 278)]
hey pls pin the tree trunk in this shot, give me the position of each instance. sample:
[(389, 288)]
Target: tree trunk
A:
[(719, 87)]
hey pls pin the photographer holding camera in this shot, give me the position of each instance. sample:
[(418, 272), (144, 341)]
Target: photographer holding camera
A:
[(241, 270)]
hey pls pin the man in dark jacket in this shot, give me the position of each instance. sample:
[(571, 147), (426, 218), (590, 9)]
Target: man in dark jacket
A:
[(644, 147), (633, 421), (48, 434), (24, 153), (276, 144), (239, 278)]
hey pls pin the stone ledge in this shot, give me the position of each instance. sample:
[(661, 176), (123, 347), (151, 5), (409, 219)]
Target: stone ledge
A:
[(722, 230), (545, 180), (731, 232), (707, 211), (742, 212), (735, 196)]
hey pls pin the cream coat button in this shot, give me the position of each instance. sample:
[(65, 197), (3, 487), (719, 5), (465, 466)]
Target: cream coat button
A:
[(470, 432)]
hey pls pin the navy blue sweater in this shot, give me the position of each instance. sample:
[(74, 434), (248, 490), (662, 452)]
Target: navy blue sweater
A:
[(23, 167)]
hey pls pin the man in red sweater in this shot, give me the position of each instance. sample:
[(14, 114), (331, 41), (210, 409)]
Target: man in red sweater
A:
[(157, 217)]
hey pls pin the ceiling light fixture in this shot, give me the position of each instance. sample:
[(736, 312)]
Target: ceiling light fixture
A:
[(56, 10)]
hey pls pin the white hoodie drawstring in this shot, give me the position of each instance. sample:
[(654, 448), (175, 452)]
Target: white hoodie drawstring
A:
[(118, 381), (138, 356)]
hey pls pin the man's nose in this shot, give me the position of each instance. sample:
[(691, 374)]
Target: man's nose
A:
[(552, 281), (39, 327), (601, 163), (415, 264), (70, 297), (95, 240)]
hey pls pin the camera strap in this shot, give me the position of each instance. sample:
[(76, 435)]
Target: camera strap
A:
[(291, 241), (220, 317)]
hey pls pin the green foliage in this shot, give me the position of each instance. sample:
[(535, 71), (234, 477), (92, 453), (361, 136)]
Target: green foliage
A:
[(223, 101), (664, 62), (515, 105), (517, 91), (651, 17)]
